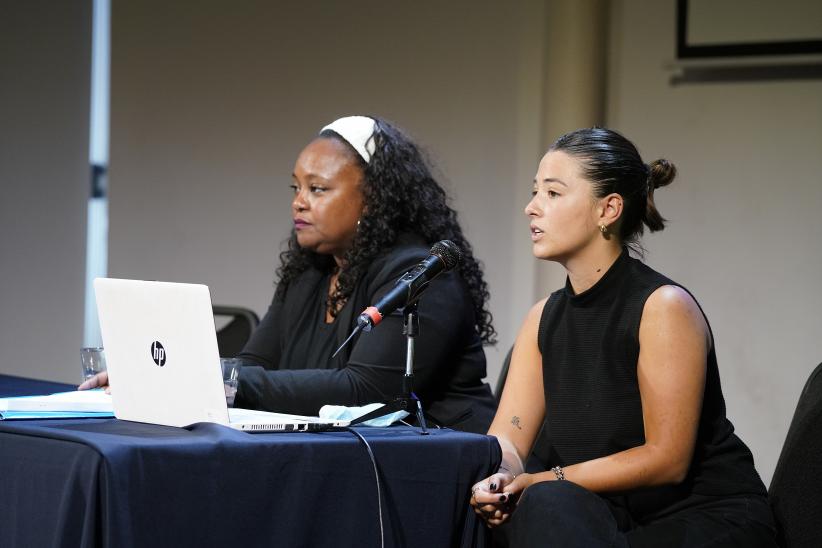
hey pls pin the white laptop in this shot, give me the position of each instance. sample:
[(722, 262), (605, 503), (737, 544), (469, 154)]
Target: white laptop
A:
[(163, 362)]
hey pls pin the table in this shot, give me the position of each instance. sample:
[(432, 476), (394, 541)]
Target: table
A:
[(105, 482)]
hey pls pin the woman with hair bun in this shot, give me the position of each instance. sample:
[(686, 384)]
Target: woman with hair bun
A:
[(617, 376)]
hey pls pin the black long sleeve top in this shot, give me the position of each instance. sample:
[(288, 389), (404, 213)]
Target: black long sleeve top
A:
[(288, 366)]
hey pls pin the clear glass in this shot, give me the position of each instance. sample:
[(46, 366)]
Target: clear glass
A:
[(231, 375), (93, 361)]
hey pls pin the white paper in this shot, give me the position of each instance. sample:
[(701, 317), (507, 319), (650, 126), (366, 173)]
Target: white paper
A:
[(96, 401)]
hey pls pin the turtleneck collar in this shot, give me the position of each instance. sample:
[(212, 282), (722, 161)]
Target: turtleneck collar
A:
[(601, 285)]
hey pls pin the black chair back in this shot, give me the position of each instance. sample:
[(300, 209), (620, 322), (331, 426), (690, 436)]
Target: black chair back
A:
[(231, 338), (795, 493), (503, 374)]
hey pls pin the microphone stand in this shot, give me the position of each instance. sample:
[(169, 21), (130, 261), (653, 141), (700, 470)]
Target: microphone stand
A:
[(407, 400)]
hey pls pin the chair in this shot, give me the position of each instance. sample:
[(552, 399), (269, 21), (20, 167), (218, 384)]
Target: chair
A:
[(232, 336), (795, 493), (503, 374)]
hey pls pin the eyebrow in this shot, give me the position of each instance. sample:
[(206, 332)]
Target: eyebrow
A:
[(552, 180), (312, 177)]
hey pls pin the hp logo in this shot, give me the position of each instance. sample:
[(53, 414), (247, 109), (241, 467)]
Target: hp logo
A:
[(158, 353)]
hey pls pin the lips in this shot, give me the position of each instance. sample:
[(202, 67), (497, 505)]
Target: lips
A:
[(299, 224), (536, 233)]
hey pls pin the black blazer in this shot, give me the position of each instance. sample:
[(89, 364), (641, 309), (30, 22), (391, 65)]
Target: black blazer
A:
[(449, 360)]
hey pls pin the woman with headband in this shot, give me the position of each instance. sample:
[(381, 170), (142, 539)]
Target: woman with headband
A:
[(366, 209), (617, 374)]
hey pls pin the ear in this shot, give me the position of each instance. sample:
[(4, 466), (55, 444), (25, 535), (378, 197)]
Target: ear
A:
[(610, 209)]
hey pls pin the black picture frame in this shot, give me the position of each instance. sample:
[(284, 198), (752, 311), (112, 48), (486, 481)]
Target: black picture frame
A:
[(742, 49)]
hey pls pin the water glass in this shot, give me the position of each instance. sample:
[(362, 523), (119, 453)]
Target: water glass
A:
[(93, 361), (231, 375)]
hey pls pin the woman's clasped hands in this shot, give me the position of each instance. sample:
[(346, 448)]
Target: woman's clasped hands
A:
[(495, 497)]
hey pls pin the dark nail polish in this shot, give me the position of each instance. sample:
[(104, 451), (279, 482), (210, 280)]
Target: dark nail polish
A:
[(503, 498), (493, 486)]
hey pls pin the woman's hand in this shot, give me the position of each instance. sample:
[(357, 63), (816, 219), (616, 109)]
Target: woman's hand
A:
[(495, 497), (100, 380)]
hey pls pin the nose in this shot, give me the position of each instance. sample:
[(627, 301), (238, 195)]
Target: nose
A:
[(299, 203), (531, 209)]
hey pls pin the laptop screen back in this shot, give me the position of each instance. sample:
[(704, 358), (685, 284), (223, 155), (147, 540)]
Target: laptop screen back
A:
[(161, 351)]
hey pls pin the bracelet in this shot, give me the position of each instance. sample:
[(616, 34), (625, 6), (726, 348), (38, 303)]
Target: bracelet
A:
[(557, 470)]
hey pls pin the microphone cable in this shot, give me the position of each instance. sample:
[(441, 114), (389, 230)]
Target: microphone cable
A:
[(376, 477)]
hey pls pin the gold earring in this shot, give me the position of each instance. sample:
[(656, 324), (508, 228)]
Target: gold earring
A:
[(603, 228)]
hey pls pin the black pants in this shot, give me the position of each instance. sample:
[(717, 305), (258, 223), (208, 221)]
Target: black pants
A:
[(563, 514)]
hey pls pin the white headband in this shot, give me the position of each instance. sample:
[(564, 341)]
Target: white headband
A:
[(358, 131)]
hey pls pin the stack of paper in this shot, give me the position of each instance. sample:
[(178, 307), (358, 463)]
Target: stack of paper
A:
[(78, 403)]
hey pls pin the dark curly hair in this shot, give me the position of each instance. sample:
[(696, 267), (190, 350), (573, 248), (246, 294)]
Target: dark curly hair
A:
[(400, 195)]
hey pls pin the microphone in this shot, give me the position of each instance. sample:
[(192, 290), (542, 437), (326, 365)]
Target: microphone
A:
[(443, 256)]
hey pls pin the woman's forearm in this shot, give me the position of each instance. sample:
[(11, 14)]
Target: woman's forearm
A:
[(511, 460), (642, 466)]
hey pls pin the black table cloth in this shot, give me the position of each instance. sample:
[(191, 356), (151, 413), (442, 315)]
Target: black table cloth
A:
[(12, 387), (105, 482)]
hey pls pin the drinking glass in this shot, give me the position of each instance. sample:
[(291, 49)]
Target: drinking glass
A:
[(231, 374), (93, 360)]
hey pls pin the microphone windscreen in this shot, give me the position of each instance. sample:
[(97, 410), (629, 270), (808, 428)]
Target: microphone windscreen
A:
[(449, 252)]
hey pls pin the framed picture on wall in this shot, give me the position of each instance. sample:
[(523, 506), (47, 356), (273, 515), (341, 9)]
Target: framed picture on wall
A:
[(743, 28)]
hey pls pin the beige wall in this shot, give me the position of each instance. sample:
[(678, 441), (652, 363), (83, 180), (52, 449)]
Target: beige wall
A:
[(45, 59), (744, 232)]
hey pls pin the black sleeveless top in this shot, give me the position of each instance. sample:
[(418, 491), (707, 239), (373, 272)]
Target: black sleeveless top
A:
[(590, 348)]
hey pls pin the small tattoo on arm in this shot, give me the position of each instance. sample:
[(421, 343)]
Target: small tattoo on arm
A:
[(515, 422)]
